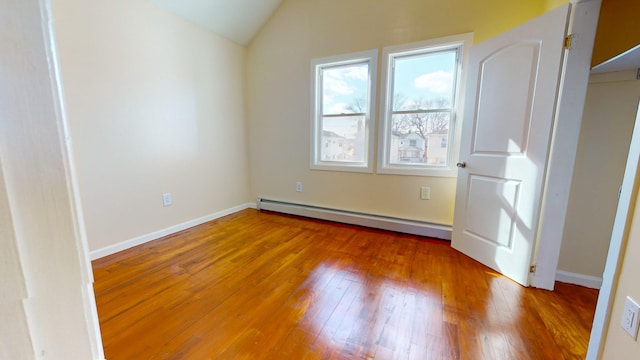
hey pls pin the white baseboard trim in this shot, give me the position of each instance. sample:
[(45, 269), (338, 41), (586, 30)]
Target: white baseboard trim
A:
[(579, 279), (112, 249), (415, 227)]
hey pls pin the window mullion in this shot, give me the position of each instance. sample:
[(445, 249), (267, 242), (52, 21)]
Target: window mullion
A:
[(420, 111), (343, 115)]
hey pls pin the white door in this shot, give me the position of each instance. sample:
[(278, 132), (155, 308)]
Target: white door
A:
[(511, 89)]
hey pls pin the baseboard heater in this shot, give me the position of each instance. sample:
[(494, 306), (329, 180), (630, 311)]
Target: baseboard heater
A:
[(415, 227)]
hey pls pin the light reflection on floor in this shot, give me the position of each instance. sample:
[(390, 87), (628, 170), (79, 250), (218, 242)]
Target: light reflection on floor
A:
[(348, 311), (345, 312)]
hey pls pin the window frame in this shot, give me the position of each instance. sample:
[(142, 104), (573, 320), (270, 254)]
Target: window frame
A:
[(463, 42), (317, 66)]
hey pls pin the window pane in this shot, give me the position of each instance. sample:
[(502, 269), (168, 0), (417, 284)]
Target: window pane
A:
[(424, 81), (343, 139), (420, 139), (344, 89)]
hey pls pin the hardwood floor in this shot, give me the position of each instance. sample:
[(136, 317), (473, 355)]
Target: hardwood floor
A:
[(258, 285)]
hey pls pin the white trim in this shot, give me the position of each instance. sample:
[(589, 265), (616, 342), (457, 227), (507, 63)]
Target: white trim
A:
[(127, 244), (407, 226), (566, 132), (579, 279), (464, 42), (77, 214), (370, 57), (619, 236)]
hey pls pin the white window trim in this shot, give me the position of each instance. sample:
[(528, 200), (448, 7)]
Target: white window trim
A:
[(316, 111), (384, 167)]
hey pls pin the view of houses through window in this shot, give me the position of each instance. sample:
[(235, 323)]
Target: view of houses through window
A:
[(343, 139), (344, 108), (422, 86), (417, 103)]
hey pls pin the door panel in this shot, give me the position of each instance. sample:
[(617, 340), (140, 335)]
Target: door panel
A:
[(512, 84), (512, 118), (482, 191)]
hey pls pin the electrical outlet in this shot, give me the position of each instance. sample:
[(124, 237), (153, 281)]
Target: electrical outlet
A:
[(299, 186), (630, 317), (166, 199), (425, 193)]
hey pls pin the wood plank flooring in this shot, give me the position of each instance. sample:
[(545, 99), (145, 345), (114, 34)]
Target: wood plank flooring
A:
[(259, 285)]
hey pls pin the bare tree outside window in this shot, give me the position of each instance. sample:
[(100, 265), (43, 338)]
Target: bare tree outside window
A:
[(419, 116)]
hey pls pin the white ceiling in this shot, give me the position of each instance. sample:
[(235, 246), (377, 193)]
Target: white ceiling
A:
[(236, 20)]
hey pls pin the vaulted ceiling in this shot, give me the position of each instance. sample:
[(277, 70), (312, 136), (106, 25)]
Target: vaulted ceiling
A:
[(236, 20), (240, 21)]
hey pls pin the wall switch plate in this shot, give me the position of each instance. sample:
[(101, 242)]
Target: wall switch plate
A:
[(166, 199), (425, 193), (299, 186), (630, 317)]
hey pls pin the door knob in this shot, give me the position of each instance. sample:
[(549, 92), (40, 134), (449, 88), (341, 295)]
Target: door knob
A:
[(461, 164)]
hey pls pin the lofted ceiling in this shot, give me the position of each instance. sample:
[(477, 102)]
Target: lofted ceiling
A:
[(236, 20), (240, 21)]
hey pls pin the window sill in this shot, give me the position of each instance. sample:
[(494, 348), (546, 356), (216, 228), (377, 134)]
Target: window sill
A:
[(328, 166)]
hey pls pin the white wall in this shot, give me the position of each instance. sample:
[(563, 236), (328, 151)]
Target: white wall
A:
[(617, 343), (155, 105), (609, 115), (278, 69), (552, 4), (51, 289), (16, 341)]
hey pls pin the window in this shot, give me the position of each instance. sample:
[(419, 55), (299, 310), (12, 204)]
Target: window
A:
[(342, 110), (419, 104)]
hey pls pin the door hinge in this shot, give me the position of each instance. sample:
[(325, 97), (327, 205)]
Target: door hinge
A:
[(567, 41), (532, 269)]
